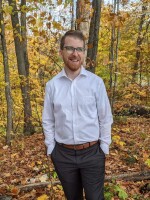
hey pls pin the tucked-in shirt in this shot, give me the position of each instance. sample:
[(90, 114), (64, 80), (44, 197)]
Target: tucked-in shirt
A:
[(76, 111)]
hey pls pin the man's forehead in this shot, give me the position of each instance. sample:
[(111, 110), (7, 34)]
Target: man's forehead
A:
[(71, 39)]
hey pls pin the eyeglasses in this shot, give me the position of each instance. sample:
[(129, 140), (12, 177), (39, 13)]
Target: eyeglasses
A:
[(71, 49)]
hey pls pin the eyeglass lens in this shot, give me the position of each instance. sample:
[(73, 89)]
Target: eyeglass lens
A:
[(72, 49)]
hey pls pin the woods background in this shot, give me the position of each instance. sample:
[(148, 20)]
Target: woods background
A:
[(118, 50)]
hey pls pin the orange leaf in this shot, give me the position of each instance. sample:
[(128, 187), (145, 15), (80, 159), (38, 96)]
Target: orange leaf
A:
[(15, 191)]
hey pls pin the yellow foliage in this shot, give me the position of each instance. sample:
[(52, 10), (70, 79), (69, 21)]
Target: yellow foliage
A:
[(39, 23), (147, 162), (57, 25), (8, 9), (128, 96), (43, 14), (44, 61), (24, 8), (43, 197), (32, 21), (39, 162), (59, 2), (49, 17), (117, 140)]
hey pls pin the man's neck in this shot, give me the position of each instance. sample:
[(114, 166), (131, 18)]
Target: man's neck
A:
[(72, 74)]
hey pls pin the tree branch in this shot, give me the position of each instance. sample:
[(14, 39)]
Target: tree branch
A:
[(136, 176)]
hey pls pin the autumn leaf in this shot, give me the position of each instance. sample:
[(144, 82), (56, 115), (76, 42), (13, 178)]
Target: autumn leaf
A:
[(121, 193), (78, 21), (32, 21), (7, 174), (48, 25), (43, 14), (8, 9), (39, 162), (43, 197), (5, 147), (15, 191), (49, 17), (90, 46), (43, 178), (59, 2), (117, 140), (24, 8), (57, 25), (147, 162)]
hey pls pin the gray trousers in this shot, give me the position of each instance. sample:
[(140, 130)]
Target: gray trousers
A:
[(80, 169)]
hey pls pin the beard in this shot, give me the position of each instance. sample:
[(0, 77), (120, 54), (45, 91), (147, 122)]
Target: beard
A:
[(73, 63)]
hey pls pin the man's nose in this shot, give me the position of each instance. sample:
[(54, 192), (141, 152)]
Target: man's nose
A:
[(75, 52)]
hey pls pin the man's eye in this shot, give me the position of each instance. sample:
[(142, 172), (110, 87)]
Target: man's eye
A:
[(70, 48), (80, 49)]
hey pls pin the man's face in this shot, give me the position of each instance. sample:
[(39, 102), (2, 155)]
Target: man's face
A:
[(73, 59)]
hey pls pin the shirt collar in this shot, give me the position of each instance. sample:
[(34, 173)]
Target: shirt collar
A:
[(83, 72)]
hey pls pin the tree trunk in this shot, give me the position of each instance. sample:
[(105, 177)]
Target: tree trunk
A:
[(111, 63), (137, 65), (24, 36), (112, 55), (83, 19), (72, 17), (26, 60), (23, 68), (94, 35), (116, 37), (136, 176), (7, 78)]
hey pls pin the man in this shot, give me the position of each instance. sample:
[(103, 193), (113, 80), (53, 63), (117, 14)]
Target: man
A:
[(77, 123)]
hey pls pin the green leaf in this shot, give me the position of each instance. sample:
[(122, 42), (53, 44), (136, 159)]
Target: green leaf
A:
[(108, 196), (24, 8), (147, 162), (8, 9), (121, 193), (55, 175)]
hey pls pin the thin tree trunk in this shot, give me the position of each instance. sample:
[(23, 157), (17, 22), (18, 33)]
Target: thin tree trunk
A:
[(22, 68), (83, 17), (83, 20), (111, 61), (72, 17), (138, 45), (24, 36), (94, 35), (116, 60), (24, 44), (112, 57), (7, 78)]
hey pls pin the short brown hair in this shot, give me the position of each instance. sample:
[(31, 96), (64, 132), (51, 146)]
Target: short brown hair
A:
[(72, 33)]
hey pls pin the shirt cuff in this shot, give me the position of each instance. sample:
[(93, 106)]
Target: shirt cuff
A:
[(50, 149), (105, 148)]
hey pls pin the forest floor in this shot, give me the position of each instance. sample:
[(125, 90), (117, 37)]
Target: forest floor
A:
[(25, 162)]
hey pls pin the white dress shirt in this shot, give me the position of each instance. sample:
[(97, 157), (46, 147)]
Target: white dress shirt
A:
[(76, 111)]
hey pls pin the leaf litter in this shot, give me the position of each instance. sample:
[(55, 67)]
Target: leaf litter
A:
[(25, 162)]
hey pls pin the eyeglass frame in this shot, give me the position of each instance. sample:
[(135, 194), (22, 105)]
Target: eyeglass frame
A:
[(73, 49)]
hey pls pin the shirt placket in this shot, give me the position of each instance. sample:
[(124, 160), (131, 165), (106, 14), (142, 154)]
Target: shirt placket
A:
[(73, 104)]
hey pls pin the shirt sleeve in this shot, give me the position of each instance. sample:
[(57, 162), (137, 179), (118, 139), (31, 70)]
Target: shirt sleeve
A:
[(48, 120), (105, 118)]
